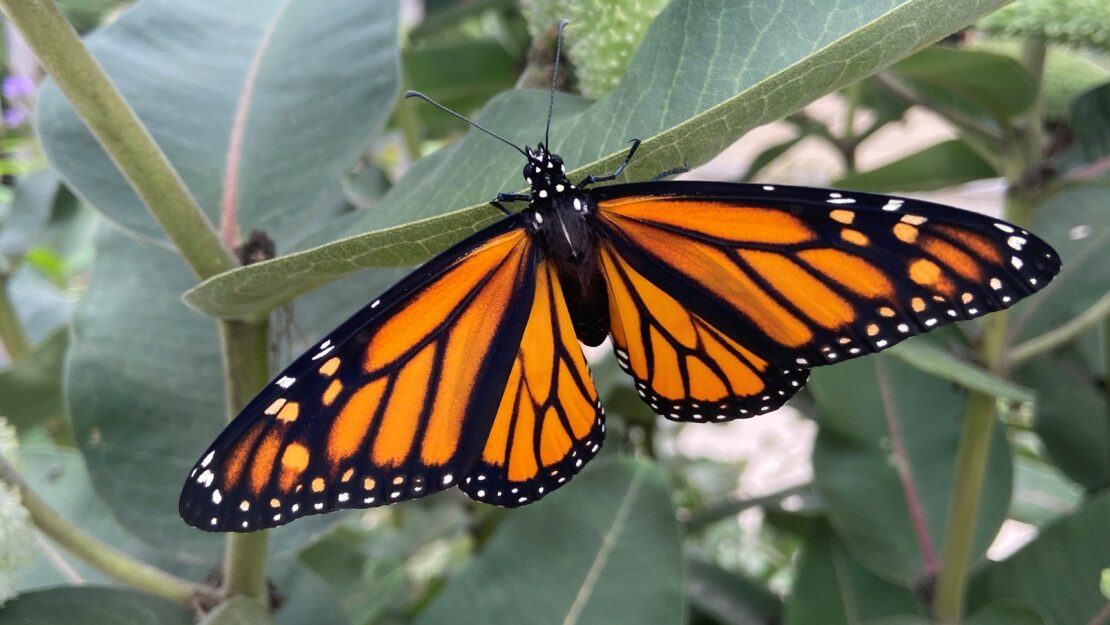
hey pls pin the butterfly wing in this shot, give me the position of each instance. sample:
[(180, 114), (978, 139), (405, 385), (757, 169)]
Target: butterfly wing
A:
[(685, 368), (799, 277), (550, 421), (392, 405)]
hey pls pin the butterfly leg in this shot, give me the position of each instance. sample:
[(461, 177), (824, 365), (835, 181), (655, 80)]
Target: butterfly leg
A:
[(591, 179), (671, 172), (508, 197)]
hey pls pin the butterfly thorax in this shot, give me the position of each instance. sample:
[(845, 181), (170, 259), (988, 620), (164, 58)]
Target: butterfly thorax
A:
[(558, 214)]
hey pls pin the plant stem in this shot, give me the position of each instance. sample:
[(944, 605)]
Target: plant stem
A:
[(119, 130), (12, 336), (246, 370), (101, 556), (1062, 334), (1021, 159)]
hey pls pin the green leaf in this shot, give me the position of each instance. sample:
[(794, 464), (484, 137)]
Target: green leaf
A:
[(1090, 123), (1041, 492), (96, 606), (974, 79), (31, 389), (767, 156), (727, 597), (1076, 223), (261, 106), (145, 388), (1058, 573), (604, 550), (884, 464), (461, 75), (307, 598), (1006, 613), (30, 212), (40, 306), (945, 365), (1072, 417), (686, 109), (238, 611), (832, 588), (945, 164)]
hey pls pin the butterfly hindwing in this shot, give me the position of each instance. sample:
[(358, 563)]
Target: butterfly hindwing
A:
[(806, 277), (550, 421), (392, 405), (683, 367)]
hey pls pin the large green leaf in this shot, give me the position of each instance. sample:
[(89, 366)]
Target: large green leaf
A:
[(605, 549), (261, 106), (884, 462), (832, 588), (706, 73), (145, 386), (1059, 572), (93, 606), (938, 166)]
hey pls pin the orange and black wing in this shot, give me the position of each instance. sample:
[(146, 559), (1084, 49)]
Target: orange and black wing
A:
[(550, 421), (394, 404), (683, 367), (796, 277)]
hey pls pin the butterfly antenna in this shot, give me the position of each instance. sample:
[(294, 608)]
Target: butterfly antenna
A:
[(417, 94), (554, 78)]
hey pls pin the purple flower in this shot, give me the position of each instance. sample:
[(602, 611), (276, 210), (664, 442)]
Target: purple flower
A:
[(17, 86), (14, 117)]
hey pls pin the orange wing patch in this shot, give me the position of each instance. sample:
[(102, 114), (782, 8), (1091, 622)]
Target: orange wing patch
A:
[(684, 368), (806, 277), (549, 422), (394, 405)]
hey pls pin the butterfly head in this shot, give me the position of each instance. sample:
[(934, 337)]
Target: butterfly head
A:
[(545, 173)]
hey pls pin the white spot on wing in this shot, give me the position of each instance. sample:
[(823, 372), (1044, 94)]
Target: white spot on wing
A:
[(207, 458), (286, 381)]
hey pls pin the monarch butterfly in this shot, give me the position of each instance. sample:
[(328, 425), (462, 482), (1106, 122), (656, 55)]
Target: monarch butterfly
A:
[(718, 299)]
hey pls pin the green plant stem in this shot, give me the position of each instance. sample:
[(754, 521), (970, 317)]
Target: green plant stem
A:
[(246, 370), (118, 129), (103, 557), (1058, 336), (1021, 157), (12, 336), (732, 506)]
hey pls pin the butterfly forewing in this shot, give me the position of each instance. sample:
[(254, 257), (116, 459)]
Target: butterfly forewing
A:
[(550, 421), (805, 277), (394, 404)]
